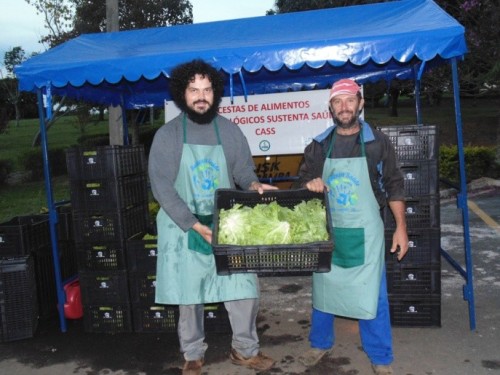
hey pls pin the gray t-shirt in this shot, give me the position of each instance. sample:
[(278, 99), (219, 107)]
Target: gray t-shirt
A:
[(165, 156), (343, 146)]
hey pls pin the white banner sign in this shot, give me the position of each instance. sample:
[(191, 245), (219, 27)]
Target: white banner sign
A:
[(275, 124)]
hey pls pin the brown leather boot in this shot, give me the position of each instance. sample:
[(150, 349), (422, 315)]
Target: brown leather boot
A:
[(192, 367), (313, 356), (260, 362), (382, 369)]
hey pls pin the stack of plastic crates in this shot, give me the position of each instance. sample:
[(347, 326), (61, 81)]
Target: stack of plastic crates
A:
[(109, 196), (148, 316), (30, 235), (18, 299), (414, 284)]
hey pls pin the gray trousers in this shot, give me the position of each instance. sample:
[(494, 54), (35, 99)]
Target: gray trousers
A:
[(242, 317)]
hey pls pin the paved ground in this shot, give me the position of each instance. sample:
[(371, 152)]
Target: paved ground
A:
[(452, 349)]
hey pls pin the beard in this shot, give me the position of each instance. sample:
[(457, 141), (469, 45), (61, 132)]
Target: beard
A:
[(199, 118), (348, 124), (202, 118)]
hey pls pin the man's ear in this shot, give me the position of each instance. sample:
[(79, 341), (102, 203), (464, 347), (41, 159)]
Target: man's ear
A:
[(361, 106)]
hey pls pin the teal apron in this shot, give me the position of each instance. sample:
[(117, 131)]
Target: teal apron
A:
[(352, 286), (186, 272)]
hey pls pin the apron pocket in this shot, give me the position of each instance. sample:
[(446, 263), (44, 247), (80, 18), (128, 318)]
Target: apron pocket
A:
[(349, 248), (195, 241)]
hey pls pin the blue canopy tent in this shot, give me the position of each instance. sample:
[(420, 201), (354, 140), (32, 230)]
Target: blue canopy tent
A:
[(295, 51)]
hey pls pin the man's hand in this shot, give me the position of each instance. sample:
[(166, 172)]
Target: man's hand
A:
[(257, 186), (317, 185), (400, 243), (204, 231), (400, 236)]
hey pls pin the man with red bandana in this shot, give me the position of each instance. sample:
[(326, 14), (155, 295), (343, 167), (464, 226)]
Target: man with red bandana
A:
[(357, 166)]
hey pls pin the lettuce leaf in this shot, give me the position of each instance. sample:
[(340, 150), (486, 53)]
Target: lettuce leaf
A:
[(272, 224)]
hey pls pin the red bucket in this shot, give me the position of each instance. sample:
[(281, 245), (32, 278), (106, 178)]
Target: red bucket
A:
[(73, 308)]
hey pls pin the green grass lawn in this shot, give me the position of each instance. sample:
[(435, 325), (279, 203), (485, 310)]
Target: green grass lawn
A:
[(17, 140), (29, 197)]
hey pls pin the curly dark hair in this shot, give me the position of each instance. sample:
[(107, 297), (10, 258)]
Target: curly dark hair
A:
[(184, 73)]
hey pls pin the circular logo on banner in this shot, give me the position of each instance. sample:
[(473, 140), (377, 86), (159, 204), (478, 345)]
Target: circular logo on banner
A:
[(264, 145)]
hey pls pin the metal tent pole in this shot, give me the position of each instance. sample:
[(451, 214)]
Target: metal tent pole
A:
[(53, 216), (468, 289), (418, 84)]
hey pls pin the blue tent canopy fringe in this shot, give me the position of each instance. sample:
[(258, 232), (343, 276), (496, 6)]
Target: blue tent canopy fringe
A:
[(285, 52)]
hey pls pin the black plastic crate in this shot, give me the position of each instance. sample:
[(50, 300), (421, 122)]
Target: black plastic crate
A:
[(104, 287), (18, 299), (45, 282), (415, 311), (268, 260), (105, 161), (65, 222), (424, 247), (142, 287), (421, 178), (216, 318), (413, 280), (421, 212), (150, 318), (101, 256), (23, 234), (413, 142), (107, 318), (110, 225), (109, 193), (142, 253), (68, 259)]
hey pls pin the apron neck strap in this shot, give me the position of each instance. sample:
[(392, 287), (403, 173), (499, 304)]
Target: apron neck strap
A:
[(184, 129), (332, 141)]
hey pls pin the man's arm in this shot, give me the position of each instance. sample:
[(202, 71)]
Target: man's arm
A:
[(311, 166), (164, 159), (400, 236)]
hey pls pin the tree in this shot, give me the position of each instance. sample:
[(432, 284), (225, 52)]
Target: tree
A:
[(90, 15), (58, 16), (12, 58), (66, 19), (480, 71)]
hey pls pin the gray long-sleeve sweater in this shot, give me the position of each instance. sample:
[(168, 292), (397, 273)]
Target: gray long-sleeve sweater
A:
[(165, 156)]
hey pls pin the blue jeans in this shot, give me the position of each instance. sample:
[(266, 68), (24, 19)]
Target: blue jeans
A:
[(376, 336)]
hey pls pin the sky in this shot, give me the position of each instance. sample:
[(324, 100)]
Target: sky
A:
[(21, 26)]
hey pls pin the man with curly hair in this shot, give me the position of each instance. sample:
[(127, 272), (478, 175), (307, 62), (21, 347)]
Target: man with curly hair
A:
[(191, 156)]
